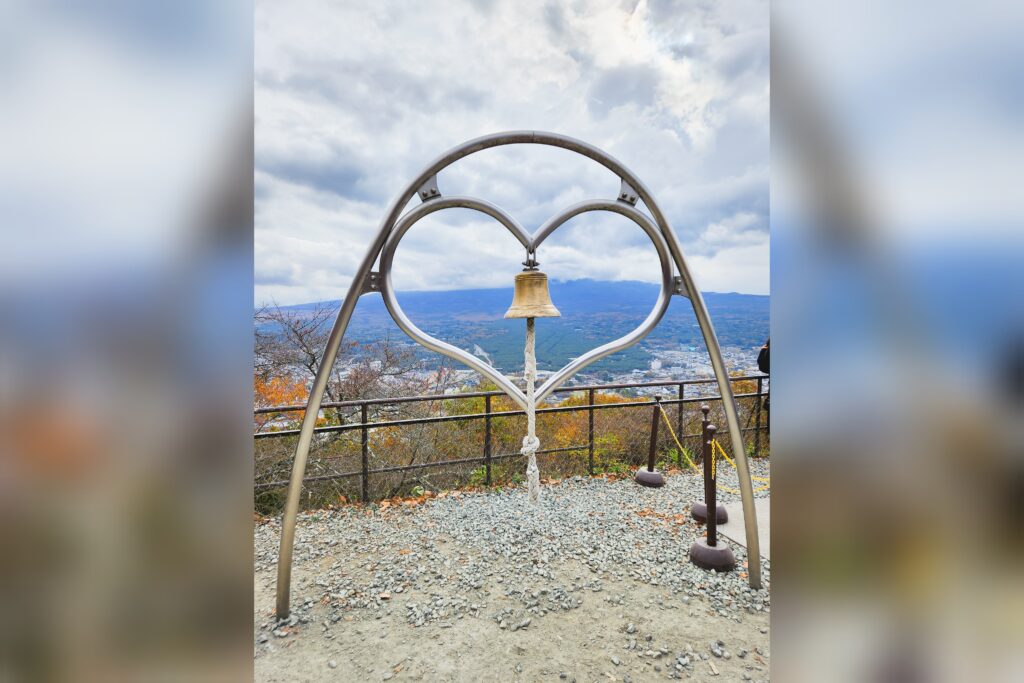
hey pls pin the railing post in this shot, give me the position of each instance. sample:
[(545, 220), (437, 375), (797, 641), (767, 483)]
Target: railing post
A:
[(590, 431), (679, 422), (365, 432), (709, 487), (487, 437), (757, 418)]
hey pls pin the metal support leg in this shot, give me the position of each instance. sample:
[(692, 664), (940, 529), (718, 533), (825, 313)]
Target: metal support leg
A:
[(728, 404)]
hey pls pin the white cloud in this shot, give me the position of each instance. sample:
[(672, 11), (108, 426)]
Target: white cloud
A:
[(353, 99), (733, 269)]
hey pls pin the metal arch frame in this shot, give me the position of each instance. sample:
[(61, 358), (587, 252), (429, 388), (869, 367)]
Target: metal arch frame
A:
[(384, 244)]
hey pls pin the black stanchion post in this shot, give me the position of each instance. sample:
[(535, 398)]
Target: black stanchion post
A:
[(708, 553), (650, 476), (699, 510), (710, 485), (652, 451)]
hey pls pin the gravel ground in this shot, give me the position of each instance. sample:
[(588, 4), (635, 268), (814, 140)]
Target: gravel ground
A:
[(592, 584)]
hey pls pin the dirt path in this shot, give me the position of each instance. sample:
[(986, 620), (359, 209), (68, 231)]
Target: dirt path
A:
[(652, 631), (579, 643)]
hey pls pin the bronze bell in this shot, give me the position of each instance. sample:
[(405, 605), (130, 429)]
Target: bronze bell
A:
[(531, 298)]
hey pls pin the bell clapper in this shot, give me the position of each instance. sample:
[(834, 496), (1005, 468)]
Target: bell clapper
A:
[(531, 300)]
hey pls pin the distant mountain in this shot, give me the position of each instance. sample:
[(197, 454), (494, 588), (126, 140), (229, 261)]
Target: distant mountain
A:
[(593, 312)]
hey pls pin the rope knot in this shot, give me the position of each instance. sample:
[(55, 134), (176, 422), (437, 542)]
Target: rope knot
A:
[(530, 445)]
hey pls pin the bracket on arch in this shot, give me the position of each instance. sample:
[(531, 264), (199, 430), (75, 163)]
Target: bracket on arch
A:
[(371, 283), (429, 190), (679, 288), (627, 193)]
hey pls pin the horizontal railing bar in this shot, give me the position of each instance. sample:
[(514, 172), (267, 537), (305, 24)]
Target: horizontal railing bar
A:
[(446, 463), (481, 394), (504, 413), (418, 466)]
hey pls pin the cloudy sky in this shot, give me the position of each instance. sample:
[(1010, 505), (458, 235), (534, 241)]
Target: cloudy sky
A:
[(354, 99)]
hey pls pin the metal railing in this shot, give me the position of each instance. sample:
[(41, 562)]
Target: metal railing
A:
[(488, 458)]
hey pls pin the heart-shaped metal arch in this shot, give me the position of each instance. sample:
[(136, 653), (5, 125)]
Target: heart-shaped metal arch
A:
[(632, 190), (531, 242)]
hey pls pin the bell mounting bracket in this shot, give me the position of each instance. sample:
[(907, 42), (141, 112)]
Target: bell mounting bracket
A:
[(371, 283), (429, 189)]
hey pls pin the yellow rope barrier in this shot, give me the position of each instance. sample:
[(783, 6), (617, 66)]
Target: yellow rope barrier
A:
[(682, 451), (726, 456), (716, 446), (729, 489)]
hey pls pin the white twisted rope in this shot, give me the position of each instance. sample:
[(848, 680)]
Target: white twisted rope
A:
[(530, 442)]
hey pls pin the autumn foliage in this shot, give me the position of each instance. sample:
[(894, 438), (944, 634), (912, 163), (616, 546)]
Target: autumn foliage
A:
[(276, 391)]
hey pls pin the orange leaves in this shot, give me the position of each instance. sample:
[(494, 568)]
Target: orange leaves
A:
[(581, 399), (412, 501), (276, 391)]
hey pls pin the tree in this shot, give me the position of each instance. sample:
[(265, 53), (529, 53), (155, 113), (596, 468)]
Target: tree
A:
[(290, 343), (289, 348), (275, 391)]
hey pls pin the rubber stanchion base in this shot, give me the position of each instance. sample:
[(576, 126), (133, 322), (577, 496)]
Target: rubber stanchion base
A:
[(718, 557), (654, 479), (699, 511)]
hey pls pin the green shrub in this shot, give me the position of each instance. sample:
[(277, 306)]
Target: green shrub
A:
[(478, 477)]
